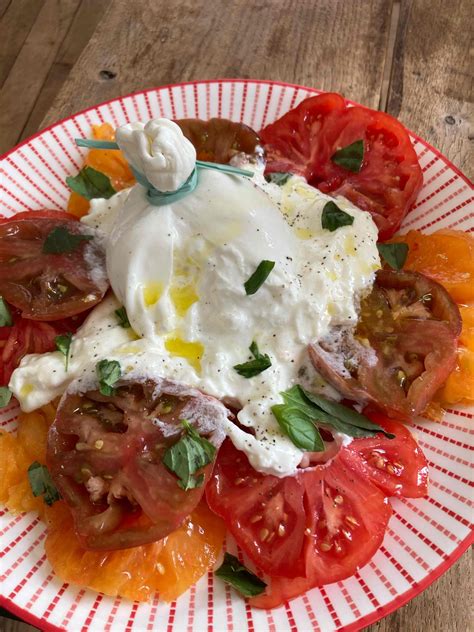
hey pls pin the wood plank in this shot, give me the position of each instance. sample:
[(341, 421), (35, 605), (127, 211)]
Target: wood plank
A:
[(153, 42), (432, 88), (16, 21), (27, 75), (82, 27)]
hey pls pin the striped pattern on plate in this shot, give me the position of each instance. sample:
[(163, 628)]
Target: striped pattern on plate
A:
[(424, 537)]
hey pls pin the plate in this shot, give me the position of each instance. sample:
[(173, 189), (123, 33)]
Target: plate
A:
[(425, 537)]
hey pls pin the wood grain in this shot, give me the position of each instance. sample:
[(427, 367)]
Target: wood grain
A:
[(27, 75), (154, 42), (83, 25), (432, 89)]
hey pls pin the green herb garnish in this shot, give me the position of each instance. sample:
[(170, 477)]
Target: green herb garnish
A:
[(108, 372), (42, 484), (239, 577), (394, 255), (63, 345), (90, 184), (350, 157), (260, 363), (296, 419), (6, 319), (333, 217), (302, 412), (259, 277), (5, 396), (122, 317), (188, 455), (60, 240), (278, 177)]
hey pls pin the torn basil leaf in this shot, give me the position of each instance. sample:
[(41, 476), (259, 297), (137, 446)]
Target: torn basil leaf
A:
[(108, 372), (394, 255), (303, 411), (91, 184), (343, 418), (296, 419), (259, 277), (42, 484), (6, 319), (5, 396), (278, 177), (260, 363), (60, 240), (188, 455), (63, 345), (239, 577), (333, 217), (350, 157), (122, 317)]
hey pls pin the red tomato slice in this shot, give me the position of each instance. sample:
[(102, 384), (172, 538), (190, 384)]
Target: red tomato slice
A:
[(322, 524), (403, 349), (105, 455), (260, 511), (29, 336), (397, 466), (43, 213), (49, 286), (304, 140), (347, 517)]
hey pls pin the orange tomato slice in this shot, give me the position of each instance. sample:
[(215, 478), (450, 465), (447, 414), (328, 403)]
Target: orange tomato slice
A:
[(459, 387), (108, 161), (168, 567), (447, 256)]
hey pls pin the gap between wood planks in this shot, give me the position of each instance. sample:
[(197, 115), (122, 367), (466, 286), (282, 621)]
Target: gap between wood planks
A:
[(389, 53)]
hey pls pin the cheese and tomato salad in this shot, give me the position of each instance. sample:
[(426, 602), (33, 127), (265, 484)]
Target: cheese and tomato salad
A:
[(180, 272)]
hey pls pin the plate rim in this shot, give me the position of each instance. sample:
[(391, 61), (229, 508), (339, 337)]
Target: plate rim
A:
[(462, 547)]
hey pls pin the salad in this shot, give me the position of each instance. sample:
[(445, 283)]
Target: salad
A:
[(223, 333)]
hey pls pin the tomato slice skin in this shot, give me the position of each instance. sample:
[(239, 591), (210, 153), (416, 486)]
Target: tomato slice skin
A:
[(105, 455), (40, 214), (396, 466), (219, 140), (29, 336), (404, 347), (304, 140), (49, 286), (340, 520), (259, 511)]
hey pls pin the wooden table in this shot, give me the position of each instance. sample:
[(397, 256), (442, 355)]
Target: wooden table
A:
[(412, 58)]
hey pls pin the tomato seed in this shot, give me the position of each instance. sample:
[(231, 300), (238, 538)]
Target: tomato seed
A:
[(325, 546), (338, 500), (99, 444), (264, 533), (351, 521), (255, 519), (281, 530)]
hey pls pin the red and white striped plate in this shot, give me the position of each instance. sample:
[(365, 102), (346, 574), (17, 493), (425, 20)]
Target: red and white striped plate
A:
[(424, 537)]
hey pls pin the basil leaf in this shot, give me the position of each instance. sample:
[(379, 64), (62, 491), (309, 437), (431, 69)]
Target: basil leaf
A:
[(63, 344), (350, 157), (5, 396), (188, 455), (90, 184), (394, 255), (254, 367), (239, 577), (343, 418), (299, 427), (61, 240), (333, 217), (259, 277), (108, 372), (122, 317), (6, 319), (42, 484), (278, 177)]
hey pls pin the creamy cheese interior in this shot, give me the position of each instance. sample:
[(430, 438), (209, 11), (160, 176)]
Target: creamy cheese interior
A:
[(180, 272)]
